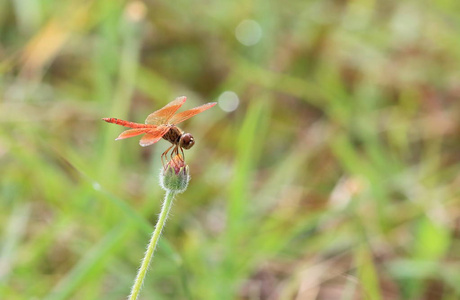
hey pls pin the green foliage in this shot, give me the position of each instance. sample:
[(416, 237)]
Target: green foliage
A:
[(335, 178)]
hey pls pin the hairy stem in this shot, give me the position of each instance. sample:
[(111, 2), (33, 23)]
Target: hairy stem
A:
[(167, 203)]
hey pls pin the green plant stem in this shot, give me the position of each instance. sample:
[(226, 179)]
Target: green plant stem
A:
[(167, 203)]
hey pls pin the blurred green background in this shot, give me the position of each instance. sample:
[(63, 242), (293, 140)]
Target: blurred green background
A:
[(328, 169)]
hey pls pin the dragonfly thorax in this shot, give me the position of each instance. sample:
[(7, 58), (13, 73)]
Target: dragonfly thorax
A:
[(178, 137)]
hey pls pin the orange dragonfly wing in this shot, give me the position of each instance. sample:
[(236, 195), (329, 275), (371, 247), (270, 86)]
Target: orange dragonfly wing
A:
[(131, 132), (153, 136), (182, 116), (163, 115)]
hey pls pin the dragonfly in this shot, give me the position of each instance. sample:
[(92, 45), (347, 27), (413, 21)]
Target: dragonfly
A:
[(162, 124)]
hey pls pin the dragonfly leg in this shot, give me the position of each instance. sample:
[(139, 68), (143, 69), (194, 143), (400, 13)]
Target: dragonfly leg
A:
[(163, 156), (183, 155), (174, 152)]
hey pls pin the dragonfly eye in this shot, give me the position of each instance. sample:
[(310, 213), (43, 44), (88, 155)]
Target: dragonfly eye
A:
[(186, 141)]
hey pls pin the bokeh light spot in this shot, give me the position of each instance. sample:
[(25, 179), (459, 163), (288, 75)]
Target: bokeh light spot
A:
[(136, 11), (96, 186), (248, 32), (228, 101)]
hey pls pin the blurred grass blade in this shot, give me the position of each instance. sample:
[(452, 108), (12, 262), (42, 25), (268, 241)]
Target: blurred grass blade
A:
[(119, 107), (367, 273), (14, 232), (248, 149), (93, 262)]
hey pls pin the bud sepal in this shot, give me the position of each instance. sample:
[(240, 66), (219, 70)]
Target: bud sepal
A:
[(175, 176)]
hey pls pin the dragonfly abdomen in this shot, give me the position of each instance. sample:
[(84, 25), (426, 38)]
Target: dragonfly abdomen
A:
[(125, 123)]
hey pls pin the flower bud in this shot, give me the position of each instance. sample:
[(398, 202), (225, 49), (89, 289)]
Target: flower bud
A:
[(174, 177)]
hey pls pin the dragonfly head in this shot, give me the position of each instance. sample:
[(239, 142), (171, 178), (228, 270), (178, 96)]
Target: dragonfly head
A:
[(186, 141)]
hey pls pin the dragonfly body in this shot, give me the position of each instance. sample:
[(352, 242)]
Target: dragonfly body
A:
[(162, 124)]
